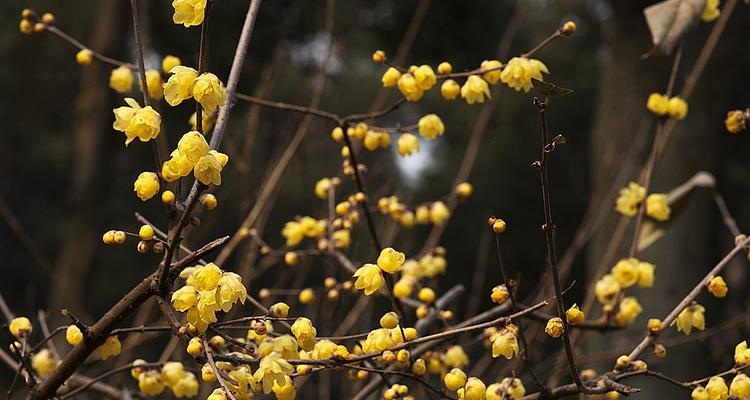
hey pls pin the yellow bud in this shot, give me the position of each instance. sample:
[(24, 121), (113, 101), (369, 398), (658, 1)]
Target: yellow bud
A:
[(464, 190), (499, 226), (85, 57), (445, 68), (306, 296), (422, 311), (209, 201), (167, 197), (48, 18), (554, 327), (574, 315), (146, 232), (426, 295), (280, 310), (195, 347), (568, 28), (654, 325), (291, 258), (455, 379), (622, 362), (26, 27), (389, 320), (378, 57)]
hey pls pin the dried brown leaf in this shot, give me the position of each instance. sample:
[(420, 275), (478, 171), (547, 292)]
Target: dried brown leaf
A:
[(669, 20)]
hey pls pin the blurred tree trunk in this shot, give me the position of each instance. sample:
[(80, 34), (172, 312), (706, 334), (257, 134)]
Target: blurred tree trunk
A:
[(688, 248), (93, 119)]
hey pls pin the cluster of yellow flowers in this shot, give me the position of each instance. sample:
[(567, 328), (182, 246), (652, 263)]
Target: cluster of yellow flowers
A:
[(370, 277), (691, 317), (193, 155), (717, 388), (121, 78), (414, 81), (172, 375), (630, 199), (436, 212), (207, 290), (472, 388), (296, 231), (185, 83), (662, 105), (737, 120)]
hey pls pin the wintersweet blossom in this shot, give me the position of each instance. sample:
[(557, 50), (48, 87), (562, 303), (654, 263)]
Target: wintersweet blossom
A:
[(110, 348), (179, 86), (121, 79), (494, 72), (518, 72), (209, 92), (305, 332), (20, 327), (369, 278), (169, 62), (73, 335), (431, 126), (711, 11), (391, 77), (146, 186), (504, 343), (425, 77), (630, 198), (189, 12), (135, 121), (408, 86), (691, 317), (272, 369), (208, 168), (475, 89), (44, 363), (408, 144), (450, 89), (390, 260)]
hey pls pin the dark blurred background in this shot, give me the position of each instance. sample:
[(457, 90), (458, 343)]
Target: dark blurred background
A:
[(67, 177)]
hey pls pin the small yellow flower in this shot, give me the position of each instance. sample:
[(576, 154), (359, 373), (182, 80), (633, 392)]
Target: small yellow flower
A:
[(626, 272), (449, 89), (20, 327), (208, 168), (645, 274), (431, 126), (518, 72), (657, 207), (403, 287), (209, 91), (146, 186), (474, 389), (272, 369), (408, 86), (169, 62), (189, 12), (121, 79), (711, 11), (179, 86), (73, 335), (717, 388), (630, 199), (209, 201), (230, 290), (475, 89), (554, 327), (425, 77), (390, 260), (464, 190), (700, 393), (740, 386), (85, 57), (408, 144), (439, 213), (689, 318), (280, 310), (389, 320), (493, 68), (574, 315), (654, 325), (629, 311), (110, 348), (677, 108), (323, 350), (606, 289), (155, 84), (177, 166), (193, 146), (455, 379), (426, 295), (500, 294), (658, 104), (305, 332), (742, 354), (370, 278), (146, 232), (445, 68), (185, 298), (736, 121), (718, 287), (341, 238), (150, 383), (136, 122), (391, 77), (44, 363), (285, 391), (195, 347), (504, 343), (378, 57)]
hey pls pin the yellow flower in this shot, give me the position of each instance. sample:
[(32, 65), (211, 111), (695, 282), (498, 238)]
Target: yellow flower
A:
[(73, 335), (500, 294), (323, 350), (409, 88), (193, 146), (285, 391), (154, 83), (390, 260), (439, 212), (454, 379), (606, 289), (209, 91), (456, 357), (736, 120), (369, 278), (645, 274), (425, 77), (85, 57), (554, 327), (136, 122), (20, 327), (179, 86), (504, 343), (449, 89), (658, 104), (230, 290), (206, 277), (475, 89), (305, 332), (431, 126), (629, 310), (321, 188), (177, 166), (717, 388), (741, 354), (272, 369), (718, 287), (169, 62), (44, 363), (691, 317), (574, 315), (195, 347), (513, 387), (657, 207), (217, 394), (408, 144), (626, 272), (474, 389), (111, 347), (711, 11), (280, 310), (121, 79), (678, 108), (208, 168), (700, 393), (150, 383), (391, 77), (492, 76), (189, 12), (630, 198), (740, 386), (518, 72), (293, 232), (341, 238), (187, 386), (403, 287), (146, 186)]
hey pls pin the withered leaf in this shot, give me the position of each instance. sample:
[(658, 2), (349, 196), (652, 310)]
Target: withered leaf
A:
[(669, 20), (549, 89)]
